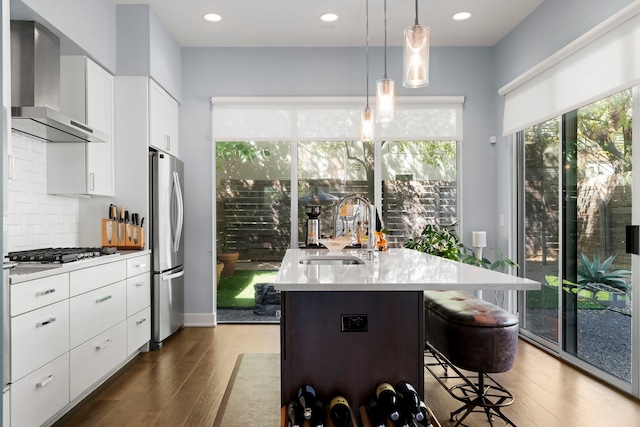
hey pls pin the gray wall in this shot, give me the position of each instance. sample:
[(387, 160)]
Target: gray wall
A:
[(322, 72), (145, 48)]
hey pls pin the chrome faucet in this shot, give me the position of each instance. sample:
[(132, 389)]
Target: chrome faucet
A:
[(369, 214)]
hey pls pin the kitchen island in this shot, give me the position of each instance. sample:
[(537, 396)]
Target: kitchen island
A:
[(345, 328)]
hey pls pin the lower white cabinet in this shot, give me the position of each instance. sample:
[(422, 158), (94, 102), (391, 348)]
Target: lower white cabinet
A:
[(41, 394), (96, 358), (38, 337), (69, 331), (138, 330), (93, 312)]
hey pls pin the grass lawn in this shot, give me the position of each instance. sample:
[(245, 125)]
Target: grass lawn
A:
[(237, 291)]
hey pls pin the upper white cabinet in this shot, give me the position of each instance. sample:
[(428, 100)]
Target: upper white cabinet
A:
[(163, 120), (87, 95)]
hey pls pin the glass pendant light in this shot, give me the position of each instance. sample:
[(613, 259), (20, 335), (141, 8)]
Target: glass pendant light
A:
[(416, 55), (366, 127), (386, 88)]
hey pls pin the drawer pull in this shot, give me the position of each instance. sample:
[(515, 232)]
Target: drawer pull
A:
[(140, 284), (44, 382), (103, 345), (144, 264), (103, 299), (46, 322), (141, 321), (43, 293)]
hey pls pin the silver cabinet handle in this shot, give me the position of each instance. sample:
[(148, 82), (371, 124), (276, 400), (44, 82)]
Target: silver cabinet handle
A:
[(144, 264), (92, 182), (46, 322), (103, 299), (141, 321), (45, 381), (140, 284), (103, 345), (43, 293)]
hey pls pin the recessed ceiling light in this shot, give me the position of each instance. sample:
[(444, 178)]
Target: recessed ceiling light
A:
[(462, 16), (212, 17), (329, 17)]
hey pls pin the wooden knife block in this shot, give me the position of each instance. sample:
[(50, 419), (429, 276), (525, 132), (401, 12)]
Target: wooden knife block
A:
[(121, 235)]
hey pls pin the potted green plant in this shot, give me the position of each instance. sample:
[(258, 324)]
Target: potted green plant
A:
[(443, 242)]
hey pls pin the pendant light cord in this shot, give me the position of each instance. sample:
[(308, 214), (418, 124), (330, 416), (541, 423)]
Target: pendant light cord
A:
[(385, 39), (367, 47), (417, 13)]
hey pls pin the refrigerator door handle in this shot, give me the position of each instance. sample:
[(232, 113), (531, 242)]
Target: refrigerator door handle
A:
[(172, 276), (180, 207)]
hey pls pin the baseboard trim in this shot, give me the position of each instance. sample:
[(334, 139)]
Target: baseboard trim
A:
[(200, 320)]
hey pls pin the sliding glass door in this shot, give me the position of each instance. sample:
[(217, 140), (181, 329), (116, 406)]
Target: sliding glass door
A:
[(540, 211), (576, 179)]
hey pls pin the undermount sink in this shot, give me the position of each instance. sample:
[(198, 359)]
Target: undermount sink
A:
[(331, 260)]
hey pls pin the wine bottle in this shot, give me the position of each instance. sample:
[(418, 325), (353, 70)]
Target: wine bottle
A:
[(319, 415), (411, 398), (374, 412), (295, 414), (340, 412), (388, 400), (307, 400), (426, 418)]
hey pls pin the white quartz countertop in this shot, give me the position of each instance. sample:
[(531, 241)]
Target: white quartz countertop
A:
[(392, 270), (29, 271)]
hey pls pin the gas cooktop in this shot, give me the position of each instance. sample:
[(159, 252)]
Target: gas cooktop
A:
[(58, 255)]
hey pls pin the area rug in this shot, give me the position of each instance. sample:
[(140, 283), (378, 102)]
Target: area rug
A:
[(252, 397)]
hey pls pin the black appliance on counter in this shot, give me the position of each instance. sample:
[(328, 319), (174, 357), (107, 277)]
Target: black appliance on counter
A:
[(58, 255)]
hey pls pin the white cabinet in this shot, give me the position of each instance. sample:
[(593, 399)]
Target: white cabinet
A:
[(71, 330), (163, 120), (96, 358), (138, 330), (87, 95), (39, 336), (94, 312), (40, 395), (138, 302)]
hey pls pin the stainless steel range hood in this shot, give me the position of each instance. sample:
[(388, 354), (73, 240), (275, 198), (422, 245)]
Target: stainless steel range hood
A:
[(35, 88)]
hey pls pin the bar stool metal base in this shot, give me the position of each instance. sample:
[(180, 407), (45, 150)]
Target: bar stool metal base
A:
[(479, 392)]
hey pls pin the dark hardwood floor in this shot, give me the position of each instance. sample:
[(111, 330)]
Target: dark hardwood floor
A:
[(183, 385)]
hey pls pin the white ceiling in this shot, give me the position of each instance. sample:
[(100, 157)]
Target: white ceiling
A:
[(286, 23)]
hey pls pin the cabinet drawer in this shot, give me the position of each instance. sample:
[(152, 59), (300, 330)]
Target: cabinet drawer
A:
[(138, 293), (38, 337), (27, 296), (138, 265), (97, 357), (96, 311), (40, 395), (91, 278), (138, 330)]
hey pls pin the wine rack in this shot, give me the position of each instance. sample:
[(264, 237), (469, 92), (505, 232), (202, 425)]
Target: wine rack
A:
[(389, 423), (284, 419)]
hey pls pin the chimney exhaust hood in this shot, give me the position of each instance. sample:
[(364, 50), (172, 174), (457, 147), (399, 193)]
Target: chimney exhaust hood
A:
[(35, 88)]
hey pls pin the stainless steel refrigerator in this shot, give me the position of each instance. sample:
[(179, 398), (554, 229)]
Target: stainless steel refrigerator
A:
[(167, 245)]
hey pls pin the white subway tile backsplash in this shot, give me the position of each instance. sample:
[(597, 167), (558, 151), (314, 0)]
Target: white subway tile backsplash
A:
[(36, 219)]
